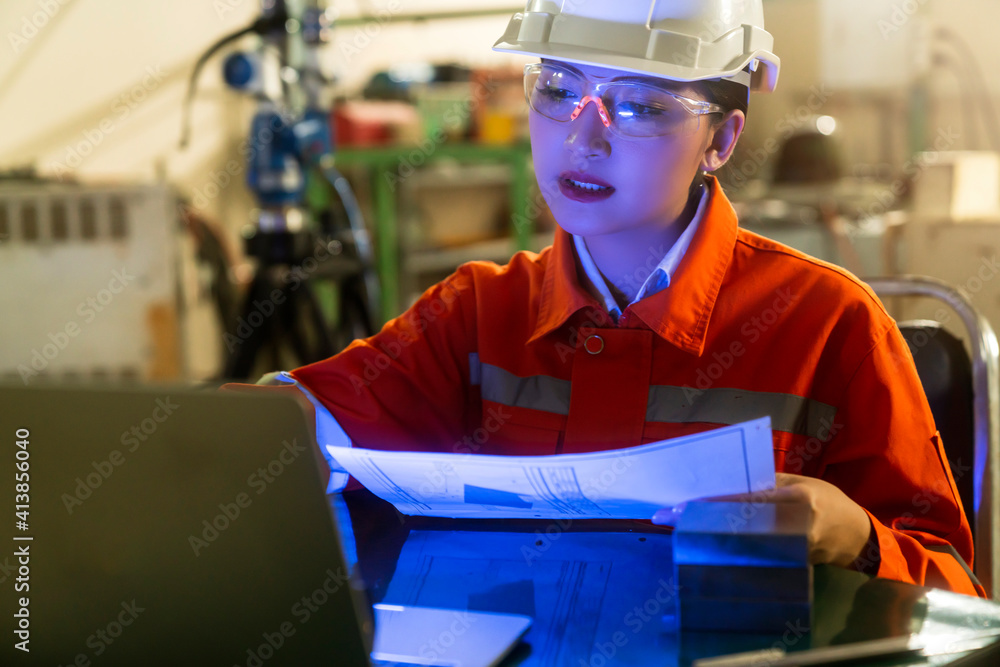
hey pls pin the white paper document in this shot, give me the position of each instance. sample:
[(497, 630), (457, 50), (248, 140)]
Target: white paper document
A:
[(630, 483)]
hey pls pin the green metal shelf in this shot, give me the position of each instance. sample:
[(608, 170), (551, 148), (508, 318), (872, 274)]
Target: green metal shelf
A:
[(384, 165)]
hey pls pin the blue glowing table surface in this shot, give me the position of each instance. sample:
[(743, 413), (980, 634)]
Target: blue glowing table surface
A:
[(602, 593)]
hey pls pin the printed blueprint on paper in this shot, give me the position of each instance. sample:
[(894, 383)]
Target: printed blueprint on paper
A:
[(629, 483), (580, 588)]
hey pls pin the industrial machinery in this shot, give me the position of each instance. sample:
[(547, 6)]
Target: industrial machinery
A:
[(289, 151)]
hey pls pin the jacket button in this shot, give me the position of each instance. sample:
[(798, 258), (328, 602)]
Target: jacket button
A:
[(593, 344)]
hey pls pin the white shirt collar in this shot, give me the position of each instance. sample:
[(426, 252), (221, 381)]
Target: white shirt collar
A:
[(658, 277)]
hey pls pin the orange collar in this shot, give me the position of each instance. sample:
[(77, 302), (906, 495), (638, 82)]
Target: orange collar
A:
[(678, 314)]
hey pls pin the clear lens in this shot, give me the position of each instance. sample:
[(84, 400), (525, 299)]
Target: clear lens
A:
[(636, 109), (552, 92), (647, 112)]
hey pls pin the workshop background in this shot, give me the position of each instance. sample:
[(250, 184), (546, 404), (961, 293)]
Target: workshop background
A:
[(125, 256)]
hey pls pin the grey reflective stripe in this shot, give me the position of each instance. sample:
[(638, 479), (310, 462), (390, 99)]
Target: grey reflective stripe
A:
[(475, 369), (789, 413), (949, 549), (538, 392)]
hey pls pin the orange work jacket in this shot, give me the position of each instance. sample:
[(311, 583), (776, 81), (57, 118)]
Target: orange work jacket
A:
[(521, 359)]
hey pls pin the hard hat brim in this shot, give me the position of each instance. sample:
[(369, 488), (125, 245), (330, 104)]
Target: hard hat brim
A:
[(764, 78)]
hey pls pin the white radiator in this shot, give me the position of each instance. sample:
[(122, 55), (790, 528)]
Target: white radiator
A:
[(92, 283)]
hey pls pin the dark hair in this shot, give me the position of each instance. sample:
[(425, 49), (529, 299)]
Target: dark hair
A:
[(727, 94), (730, 96)]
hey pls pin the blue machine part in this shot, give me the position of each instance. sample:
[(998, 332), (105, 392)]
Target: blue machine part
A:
[(313, 136), (274, 172), (240, 70)]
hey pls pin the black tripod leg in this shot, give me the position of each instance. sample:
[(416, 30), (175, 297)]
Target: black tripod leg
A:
[(246, 340), (301, 314), (355, 320)]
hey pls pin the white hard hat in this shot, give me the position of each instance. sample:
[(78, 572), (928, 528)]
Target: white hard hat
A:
[(681, 40)]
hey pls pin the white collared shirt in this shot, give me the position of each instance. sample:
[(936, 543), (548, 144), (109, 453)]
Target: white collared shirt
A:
[(660, 276)]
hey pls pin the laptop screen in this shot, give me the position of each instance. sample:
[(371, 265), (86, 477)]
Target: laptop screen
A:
[(170, 526)]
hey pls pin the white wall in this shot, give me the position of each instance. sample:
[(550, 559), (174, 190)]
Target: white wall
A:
[(98, 87), (864, 56), (81, 82)]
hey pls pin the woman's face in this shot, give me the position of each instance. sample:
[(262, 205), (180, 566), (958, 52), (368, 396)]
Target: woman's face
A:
[(598, 182)]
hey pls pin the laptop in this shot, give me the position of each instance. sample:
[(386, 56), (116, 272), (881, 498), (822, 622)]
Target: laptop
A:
[(173, 526)]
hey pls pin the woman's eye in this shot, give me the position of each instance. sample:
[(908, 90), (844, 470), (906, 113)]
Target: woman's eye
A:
[(557, 94), (638, 110)]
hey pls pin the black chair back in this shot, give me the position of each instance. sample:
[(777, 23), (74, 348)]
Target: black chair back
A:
[(945, 372)]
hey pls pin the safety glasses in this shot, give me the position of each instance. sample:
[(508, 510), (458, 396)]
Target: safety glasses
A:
[(629, 108)]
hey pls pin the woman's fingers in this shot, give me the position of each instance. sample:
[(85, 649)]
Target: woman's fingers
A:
[(789, 488), (667, 516)]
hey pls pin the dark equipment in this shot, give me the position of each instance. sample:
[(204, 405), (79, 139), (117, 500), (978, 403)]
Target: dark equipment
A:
[(291, 142)]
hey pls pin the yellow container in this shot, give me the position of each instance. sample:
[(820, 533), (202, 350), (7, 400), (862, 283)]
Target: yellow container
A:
[(498, 127)]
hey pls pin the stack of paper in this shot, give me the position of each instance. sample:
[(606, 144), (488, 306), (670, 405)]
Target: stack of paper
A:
[(630, 483)]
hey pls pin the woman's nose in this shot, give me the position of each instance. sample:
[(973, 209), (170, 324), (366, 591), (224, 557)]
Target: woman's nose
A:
[(588, 126)]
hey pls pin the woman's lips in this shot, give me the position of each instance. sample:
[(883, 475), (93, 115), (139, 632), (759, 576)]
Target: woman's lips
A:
[(584, 188)]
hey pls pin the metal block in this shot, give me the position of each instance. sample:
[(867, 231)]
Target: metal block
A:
[(743, 534), (790, 584), (738, 615)]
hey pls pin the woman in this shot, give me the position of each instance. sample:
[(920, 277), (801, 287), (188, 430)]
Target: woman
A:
[(653, 315)]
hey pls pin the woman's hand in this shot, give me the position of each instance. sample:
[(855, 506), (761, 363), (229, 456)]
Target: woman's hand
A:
[(840, 528)]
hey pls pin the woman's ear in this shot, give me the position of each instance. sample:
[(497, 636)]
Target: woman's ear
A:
[(722, 140)]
